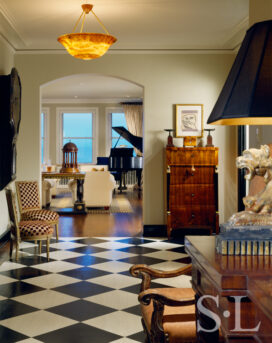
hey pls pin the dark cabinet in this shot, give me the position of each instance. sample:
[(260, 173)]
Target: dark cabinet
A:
[(192, 188)]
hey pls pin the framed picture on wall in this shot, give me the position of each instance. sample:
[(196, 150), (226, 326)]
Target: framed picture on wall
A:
[(189, 120)]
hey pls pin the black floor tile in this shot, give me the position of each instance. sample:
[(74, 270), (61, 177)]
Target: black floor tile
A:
[(90, 240), (84, 273), (86, 260), (134, 240), (139, 337), (138, 250), (141, 259), (15, 289), (10, 336), (32, 260), (87, 249), (186, 260), (178, 249), (24, 273), (80, 333), (135, 289), (134, 310), (82, 289), (81, 310), (10, 308)]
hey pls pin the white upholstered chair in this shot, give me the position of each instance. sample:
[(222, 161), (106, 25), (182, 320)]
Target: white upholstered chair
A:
[(98, 189)]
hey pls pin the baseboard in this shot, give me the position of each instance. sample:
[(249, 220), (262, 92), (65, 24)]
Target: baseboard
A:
[(155, 231), (4, 238)]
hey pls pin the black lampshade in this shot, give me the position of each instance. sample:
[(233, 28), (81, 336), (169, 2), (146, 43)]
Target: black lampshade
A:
[(246, 98)]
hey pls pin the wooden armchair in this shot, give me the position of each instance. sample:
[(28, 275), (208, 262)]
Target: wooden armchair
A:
[(168, 314)]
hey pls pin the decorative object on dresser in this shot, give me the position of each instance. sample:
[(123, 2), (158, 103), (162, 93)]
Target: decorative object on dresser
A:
[(169, 138), (192, 189), (30, 207), (69, 158), (10, 103), (209, 138)]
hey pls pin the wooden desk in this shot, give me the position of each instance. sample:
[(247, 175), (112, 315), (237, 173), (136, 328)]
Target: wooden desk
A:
[(227, 276), (79, 205)]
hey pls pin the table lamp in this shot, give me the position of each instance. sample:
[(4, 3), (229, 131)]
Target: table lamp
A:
[(246, 100)]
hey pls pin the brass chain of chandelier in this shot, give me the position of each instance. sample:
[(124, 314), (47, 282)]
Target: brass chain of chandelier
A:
[(86, 45)]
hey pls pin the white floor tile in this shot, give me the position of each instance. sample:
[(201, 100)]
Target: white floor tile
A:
[(166, 255), (10, 265), (37, 323), (112, 266), (111, 245), (116, 281), (118, 299), (113, 254), (45, 299), (125, 340), (57, 266), (168, 265), (62, 254), (51, 280), (2, 298), (32, 340), (66, 245), (112, 238), (160, 245), (5, 279), (119, 323)]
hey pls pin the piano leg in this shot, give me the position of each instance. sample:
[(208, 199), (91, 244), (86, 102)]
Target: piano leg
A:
[(122, 184), (139, 178)]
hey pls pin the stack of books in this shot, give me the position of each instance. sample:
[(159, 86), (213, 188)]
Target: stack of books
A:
[(244, 240)]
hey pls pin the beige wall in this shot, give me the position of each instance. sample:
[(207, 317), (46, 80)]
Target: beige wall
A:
[(167, 79), (6, 63)]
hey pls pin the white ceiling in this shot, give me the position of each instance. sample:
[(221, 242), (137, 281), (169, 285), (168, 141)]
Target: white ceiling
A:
[(164, 25), (137, 24)]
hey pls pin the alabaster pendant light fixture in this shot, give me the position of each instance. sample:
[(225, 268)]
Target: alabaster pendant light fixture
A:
[(86, 45)]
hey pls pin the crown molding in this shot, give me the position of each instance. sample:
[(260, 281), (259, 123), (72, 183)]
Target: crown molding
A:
[(237, 34), (89, 101)]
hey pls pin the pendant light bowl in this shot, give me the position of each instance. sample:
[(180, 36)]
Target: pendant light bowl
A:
[(87, 46)]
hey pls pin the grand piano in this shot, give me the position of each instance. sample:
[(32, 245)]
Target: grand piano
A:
[(121, 160)]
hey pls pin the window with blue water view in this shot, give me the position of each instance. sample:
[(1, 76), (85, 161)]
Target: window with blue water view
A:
[(118, 119), (78, 129)]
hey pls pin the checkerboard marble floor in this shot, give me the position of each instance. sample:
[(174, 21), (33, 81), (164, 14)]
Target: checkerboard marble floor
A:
[(84, 293)]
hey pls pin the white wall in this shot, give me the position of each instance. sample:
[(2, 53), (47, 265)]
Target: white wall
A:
[(167, 79), (6, 63)]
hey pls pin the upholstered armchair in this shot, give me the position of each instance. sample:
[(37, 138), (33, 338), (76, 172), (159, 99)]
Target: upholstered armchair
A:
[(168, 314), (98, 189)]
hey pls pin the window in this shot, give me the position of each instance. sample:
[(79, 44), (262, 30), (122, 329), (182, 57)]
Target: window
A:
[(44, 135), (118, 119), (78, 126)]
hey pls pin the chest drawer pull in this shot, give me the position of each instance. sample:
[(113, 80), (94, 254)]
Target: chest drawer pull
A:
[(193, 194), (193, 215)]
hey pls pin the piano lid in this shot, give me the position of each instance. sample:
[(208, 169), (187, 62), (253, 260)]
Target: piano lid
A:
[(136, 141)]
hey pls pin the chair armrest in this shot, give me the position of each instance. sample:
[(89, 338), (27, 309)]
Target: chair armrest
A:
[(147, 273), (145, 298)]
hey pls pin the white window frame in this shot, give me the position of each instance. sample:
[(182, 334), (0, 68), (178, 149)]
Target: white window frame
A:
[(46, 112), (109, 111), (59, 129)]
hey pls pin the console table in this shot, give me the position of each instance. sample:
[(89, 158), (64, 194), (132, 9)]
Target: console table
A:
[(249, 277), (79, 205)]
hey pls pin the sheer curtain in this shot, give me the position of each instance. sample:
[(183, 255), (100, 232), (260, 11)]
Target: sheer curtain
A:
[(134, 119)]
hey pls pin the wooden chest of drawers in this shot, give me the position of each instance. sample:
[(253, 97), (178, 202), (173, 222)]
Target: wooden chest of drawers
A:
[(192, 188)]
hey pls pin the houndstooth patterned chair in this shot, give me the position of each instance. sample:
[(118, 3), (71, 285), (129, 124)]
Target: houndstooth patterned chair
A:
[(29, 204), (26, 230)]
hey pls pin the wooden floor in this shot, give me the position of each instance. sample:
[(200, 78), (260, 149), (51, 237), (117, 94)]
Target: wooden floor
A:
[(99, 225), (108, 224)]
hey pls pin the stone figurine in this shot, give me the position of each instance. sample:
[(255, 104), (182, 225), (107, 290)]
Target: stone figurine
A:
[(258, 207)]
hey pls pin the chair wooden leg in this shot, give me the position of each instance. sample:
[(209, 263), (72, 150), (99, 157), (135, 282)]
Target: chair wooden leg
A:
[(10, 247), (57, 231), (40, 247), (17, 250), (47, 247)]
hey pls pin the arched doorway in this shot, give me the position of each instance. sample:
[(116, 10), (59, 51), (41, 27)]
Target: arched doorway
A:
[(103, 98)]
